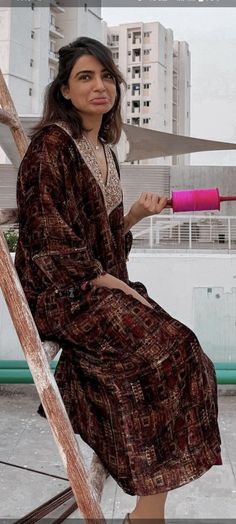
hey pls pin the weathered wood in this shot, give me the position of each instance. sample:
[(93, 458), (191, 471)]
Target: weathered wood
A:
[(87, 487), (8, 215), (8, 119), (47, 388), (16, 128), (50, 349)]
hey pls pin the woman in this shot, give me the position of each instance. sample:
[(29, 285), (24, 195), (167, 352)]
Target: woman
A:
[(136, 384)]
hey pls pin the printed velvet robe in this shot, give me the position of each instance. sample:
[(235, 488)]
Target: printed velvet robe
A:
[(136, 383)]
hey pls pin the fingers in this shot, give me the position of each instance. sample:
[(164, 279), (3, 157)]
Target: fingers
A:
[(161, 204), (153, 202)]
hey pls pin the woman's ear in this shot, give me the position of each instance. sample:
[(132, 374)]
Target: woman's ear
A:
[(64, 91)]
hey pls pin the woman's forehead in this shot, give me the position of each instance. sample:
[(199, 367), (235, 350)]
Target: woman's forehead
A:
[(87, 63)]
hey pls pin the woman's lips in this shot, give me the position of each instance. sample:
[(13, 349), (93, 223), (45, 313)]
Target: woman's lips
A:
[(99, 101)]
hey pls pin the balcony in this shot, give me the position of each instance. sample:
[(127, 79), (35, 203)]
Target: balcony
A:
[(136, 42), (135, 110), (55, 6), (135, 121), (135, 90), (53, 57), (56, 31), (136, 73), (136, 94)]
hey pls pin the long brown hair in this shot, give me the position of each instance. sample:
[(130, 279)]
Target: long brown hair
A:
[(56, 107)]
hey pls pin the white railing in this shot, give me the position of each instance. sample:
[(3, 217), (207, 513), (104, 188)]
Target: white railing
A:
[(187, 232)]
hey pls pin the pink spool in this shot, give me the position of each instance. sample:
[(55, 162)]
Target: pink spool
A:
[(195, 200)]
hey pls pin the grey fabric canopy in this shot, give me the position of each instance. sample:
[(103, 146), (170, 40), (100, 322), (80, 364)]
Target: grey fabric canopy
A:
[(143, 143), (149, 143)]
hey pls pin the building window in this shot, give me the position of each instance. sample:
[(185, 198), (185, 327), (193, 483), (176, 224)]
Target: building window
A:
[(146, 103), (129, 53), (32, 34), (52, 46), (52, 73), (53, 20), (146, 51), (129, 35), (32, 6), (128, 86), (145, 120), (128, 121), (115, 38), (128, 103), (146, 86), (30, 91), (85, 7), (31, 62), (146, 69), (128, 69), (147, 33), (115, 55)]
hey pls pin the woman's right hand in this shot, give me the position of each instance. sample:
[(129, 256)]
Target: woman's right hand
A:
[(112, 282), (137, 296)]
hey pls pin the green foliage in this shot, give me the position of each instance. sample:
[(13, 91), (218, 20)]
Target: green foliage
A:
[(11, 236)]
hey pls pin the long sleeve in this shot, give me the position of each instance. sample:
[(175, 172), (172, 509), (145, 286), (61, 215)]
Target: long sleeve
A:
[(47, 212), (128, 235)]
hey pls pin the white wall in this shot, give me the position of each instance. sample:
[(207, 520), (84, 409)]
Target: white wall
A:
[(174, 281), (180, 282)]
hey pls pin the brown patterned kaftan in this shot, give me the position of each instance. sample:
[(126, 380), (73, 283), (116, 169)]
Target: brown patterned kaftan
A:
[(136, 384)]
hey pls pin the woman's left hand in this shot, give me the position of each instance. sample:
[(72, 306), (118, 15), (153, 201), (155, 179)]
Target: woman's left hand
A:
[(148, 204)]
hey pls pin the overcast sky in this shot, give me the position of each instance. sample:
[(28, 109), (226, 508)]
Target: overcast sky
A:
[(211, 34)]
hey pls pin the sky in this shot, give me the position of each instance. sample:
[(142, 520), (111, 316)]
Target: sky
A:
[(211, 34)]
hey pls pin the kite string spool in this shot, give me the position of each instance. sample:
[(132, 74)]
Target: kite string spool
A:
[(197, 200)]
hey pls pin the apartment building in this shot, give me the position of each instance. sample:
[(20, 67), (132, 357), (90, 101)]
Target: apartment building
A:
[(29, 40), (157, 71)]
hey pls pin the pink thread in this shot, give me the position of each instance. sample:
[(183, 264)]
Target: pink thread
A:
[(196, 200)]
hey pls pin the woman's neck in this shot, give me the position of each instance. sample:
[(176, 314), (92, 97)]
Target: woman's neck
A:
[(95, 127)]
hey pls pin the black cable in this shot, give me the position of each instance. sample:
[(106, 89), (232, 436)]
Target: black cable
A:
[(33, 470)]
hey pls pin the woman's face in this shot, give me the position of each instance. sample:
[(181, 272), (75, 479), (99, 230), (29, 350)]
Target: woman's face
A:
[(91, 88)]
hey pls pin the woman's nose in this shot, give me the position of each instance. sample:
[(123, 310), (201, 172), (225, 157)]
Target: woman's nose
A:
[(98, 83)]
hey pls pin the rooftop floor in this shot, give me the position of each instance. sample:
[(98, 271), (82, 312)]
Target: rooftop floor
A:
[(26, 440)]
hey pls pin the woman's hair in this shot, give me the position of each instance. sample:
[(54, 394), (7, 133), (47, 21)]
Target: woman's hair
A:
[(56, 107)]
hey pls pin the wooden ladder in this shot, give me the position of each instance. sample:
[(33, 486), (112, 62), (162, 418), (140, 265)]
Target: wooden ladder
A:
[(86, 486)]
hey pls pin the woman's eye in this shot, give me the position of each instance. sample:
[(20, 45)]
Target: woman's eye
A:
[(84, 77), (108, 75)]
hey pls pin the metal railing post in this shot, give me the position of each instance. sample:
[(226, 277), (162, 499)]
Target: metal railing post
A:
[(190, 232), (151, 233), (229, 233)]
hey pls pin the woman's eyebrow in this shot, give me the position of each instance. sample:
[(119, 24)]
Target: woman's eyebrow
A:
[(87, 71)]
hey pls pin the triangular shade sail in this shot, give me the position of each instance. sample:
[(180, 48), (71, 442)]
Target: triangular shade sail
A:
[(143, 143), (149, 143)]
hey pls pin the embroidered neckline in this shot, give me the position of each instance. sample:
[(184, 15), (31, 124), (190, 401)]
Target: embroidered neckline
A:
[(111, 189)]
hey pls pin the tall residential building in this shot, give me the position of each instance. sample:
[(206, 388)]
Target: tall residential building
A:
[(157, 71), (181, 94), (29, 41)]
